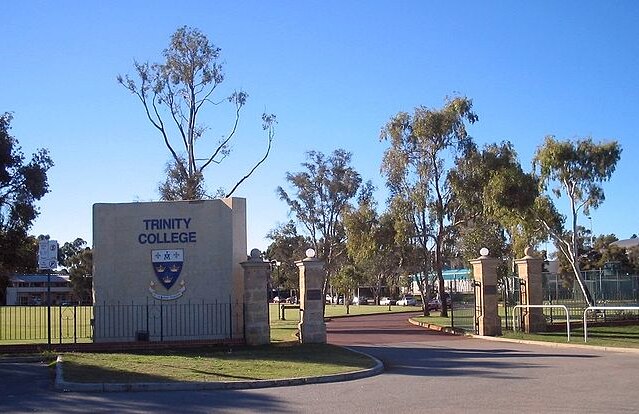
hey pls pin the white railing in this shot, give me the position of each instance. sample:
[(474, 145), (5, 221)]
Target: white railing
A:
[(603, 308), (543, 306)]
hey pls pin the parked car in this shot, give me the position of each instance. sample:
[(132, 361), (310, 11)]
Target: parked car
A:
[(361, 300), (278, 299), (385, 301), (407, 301), (434, 304)]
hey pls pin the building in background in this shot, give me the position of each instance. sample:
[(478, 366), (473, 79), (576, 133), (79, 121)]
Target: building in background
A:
[(32, 290), (455, 280)]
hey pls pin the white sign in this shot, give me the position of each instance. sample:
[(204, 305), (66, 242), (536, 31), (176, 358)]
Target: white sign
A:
[(48, 254)]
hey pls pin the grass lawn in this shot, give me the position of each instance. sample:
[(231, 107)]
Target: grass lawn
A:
[(213, 364), (28, 324), (610, 336), (284, 358), (285, 330)]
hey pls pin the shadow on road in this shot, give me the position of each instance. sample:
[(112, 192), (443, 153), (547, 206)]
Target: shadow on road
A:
[(449, 362), (28, 387)]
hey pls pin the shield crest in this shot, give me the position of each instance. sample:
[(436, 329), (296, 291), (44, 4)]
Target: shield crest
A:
[(167, 265)]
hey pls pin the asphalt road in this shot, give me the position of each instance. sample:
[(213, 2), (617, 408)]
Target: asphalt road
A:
[(425, 372)]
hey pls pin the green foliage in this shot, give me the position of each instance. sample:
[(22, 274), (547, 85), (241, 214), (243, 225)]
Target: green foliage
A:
[(179, 185), (493, 195), (22, 184), (320, 195), (478, 234), (77, 257), (576, 169), (633, 258), (173, 94), (415, 168), (285, 249), (371, 243), (346, 280)]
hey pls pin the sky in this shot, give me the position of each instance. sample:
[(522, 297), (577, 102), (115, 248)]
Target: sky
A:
[(334, 72)]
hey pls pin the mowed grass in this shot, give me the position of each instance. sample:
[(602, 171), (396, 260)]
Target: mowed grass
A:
[(213, 364), (28, 324), (607, 336), (284, 358), (285, 330)]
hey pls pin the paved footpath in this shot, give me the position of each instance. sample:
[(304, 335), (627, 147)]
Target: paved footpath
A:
[(425, 372)]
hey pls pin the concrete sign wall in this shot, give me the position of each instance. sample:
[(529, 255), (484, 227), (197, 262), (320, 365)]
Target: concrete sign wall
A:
[(168, 253)]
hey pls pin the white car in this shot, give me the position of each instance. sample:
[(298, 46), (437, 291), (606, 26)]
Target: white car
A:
[(385, 301), (407, 301)]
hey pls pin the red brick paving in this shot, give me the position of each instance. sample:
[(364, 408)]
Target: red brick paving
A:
[(391, 328)]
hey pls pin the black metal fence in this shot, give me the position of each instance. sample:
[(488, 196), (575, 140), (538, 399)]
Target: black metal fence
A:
[(152, 321), (604, 287)]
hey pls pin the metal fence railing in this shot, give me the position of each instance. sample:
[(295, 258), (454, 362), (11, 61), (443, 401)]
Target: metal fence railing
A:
[(152, 321), (603, 286), (607, 288)]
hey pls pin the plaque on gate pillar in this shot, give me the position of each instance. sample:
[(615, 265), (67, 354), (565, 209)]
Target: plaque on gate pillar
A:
[(485, 273), (312, 328), (529, 269)]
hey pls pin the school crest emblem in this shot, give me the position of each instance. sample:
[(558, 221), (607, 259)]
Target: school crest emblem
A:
[(167, 265)]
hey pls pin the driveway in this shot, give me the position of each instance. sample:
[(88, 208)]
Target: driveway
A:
[(426, 371)]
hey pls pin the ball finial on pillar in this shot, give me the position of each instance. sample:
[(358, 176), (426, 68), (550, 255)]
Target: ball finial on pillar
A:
[(256, 254)]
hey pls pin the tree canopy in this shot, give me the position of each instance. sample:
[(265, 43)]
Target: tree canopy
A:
[(174, 94), (577, 170), (320, 194), (286, 248), (22, 184), (371, 243), (416, 170), (77, 257), (493, 195)]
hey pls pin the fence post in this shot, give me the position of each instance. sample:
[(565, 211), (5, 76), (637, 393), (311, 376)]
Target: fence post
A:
[(452, 303), (49, 309), (60, 321), (230, 317)]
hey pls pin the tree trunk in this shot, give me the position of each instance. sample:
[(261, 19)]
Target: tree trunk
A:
[(575, 255)]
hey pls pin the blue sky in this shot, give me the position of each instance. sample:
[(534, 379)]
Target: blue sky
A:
[(333, 71)]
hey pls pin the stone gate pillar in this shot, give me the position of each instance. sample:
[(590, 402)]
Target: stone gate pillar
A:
[(529, 269), (312, 327), (485, 274), (256, 327)]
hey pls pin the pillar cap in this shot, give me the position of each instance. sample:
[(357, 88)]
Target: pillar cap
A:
[(255, 258), (528, 255)]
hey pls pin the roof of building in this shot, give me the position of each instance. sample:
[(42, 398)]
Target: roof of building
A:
[(39, 278), (627, 243), (457, 274)]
